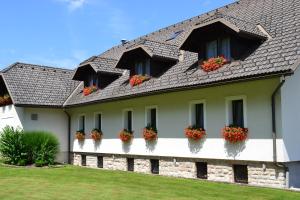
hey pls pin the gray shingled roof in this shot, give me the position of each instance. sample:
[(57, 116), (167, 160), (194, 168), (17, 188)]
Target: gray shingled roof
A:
[(100, 64), (36, 85), (156, 49), (280, 18)]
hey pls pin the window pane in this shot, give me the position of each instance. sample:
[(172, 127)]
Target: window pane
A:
[(129, 120), (225, 48), (99, 122), (237, 113), (147, 70), (199, 116), (82, 123), (153, 117), (212, 49)]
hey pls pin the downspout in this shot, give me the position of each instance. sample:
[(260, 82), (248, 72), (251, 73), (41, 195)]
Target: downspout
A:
[(69, 135), (274, 131)]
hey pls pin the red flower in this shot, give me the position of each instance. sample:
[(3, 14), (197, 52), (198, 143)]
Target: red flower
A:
[(80, 135), (194, 133), (138, 79), (234, 134), (89, 90), (125, 135), (149, 133), (214, 63), (96, 134)]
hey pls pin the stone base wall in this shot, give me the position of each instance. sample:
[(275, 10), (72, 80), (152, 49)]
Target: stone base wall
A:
[(115, 163), (259, 174), (177, 168), (266, 175), (220, 171), (142, 166)]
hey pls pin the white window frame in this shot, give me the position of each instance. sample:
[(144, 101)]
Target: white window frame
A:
[(124, 122), (148, 108), (96, 119), (192, 111), (228, 105), (78, 121)]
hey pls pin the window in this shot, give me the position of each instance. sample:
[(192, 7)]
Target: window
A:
[(151, 116), (218, 47), (127, 119), (34, 117), (197, 110), (236, 111), (81, 125), (240, 173), (201, 170), (130, 164), (99, 161), (91, 80), (83, 160), (98, 121), (143, 67), (154, 166)]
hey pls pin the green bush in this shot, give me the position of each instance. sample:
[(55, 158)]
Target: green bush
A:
[(21, 148), (12, 147), (41, 146)]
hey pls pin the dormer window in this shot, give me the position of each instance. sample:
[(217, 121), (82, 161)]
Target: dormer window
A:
[(221, 38), (91, 80), (218, 47), (142, 67), (147, 59)]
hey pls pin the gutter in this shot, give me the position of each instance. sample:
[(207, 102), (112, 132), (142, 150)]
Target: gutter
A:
[(69, 135), (274, 131)]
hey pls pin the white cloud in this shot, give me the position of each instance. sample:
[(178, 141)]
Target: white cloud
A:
[(74, 4)]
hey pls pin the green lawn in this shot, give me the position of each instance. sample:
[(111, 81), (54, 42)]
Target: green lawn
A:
[(71, 183)]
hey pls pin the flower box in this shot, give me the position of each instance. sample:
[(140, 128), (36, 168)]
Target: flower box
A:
[(80, 135), (213, 63), (96, 134), (5, 100), (194, 133), (89, 90), (138, 79), (234, 134), (149, 133), (125, 135)]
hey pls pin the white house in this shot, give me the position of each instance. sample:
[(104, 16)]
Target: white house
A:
[(258, 88)]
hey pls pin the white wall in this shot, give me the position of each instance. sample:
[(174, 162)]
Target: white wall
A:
[(51, 120), (173, 117), (10, 116), (290, 96)]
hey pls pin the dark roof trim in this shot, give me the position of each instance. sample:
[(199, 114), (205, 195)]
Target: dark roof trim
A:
[(212, 84), (5, 82), (38, 106), (224, 22)]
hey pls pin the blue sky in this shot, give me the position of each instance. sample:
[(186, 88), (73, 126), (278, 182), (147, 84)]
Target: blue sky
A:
[(65, 32)]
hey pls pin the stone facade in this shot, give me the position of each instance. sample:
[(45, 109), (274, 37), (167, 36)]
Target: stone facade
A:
[(142, 166), (177, 168), (259, 174), (219, 171), (266, 175), (114, 163), (92, 161)]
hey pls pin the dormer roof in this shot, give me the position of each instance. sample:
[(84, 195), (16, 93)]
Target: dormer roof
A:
[(153, 49), (241, 27)]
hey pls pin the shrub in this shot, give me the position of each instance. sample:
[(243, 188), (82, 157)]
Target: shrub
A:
[(41, 146), (12, 146)]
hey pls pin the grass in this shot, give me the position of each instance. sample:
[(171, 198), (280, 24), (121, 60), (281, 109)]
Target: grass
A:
[(82, 183)]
